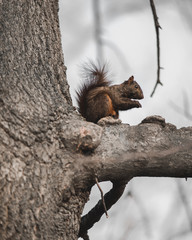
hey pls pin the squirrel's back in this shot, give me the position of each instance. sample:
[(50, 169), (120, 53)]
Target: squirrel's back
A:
[(94, 77)]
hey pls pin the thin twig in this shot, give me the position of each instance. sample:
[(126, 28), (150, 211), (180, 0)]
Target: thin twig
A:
[(157, 26), (96, 213), (102, 197)]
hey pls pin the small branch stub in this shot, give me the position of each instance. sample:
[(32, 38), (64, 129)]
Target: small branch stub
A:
[(102, 197)]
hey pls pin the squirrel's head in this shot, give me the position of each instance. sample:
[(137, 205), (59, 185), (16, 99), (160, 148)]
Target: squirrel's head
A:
[(131, 89)]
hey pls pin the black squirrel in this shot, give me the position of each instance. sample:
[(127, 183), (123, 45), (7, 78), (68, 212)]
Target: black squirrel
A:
[(97, 99)]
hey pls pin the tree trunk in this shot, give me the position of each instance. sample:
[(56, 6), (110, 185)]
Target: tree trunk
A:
[(49, 156), (34, 101)]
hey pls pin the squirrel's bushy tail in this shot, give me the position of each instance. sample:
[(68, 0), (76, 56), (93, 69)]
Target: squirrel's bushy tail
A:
[(94, 76)]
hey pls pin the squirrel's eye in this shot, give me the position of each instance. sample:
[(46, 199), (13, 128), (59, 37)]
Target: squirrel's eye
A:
[(136, 86)]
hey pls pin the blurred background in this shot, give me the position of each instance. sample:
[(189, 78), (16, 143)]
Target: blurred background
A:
[(122, 33)]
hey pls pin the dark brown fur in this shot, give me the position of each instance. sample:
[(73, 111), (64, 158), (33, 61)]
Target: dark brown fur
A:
[(96, 99)]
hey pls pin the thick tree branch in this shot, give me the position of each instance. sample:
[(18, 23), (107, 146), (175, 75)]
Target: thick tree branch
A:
[(149, 149), (173, 162), (153, 148)]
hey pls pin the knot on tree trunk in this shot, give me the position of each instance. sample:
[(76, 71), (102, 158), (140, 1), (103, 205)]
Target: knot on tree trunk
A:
[(80, 135)]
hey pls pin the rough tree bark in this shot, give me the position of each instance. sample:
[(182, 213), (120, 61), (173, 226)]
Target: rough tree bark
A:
[(50, 156)]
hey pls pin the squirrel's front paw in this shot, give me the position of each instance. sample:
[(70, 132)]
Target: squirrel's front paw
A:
[(137, 104)]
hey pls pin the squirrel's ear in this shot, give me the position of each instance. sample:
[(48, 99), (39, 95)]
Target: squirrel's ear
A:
[(130, 80)]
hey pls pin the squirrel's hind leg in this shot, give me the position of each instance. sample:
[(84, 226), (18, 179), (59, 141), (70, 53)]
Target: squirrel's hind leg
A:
[(100, 106)]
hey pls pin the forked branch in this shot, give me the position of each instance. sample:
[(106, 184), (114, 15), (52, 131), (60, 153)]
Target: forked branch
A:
[(157, 26)]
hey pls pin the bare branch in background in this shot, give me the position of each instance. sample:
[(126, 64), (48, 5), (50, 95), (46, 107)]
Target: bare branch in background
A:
[(181, 235), (186, 106), (185, 202), (174, 227), (145, 221), (98, 30), (120, 55), (157, 26), (144, 218)]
